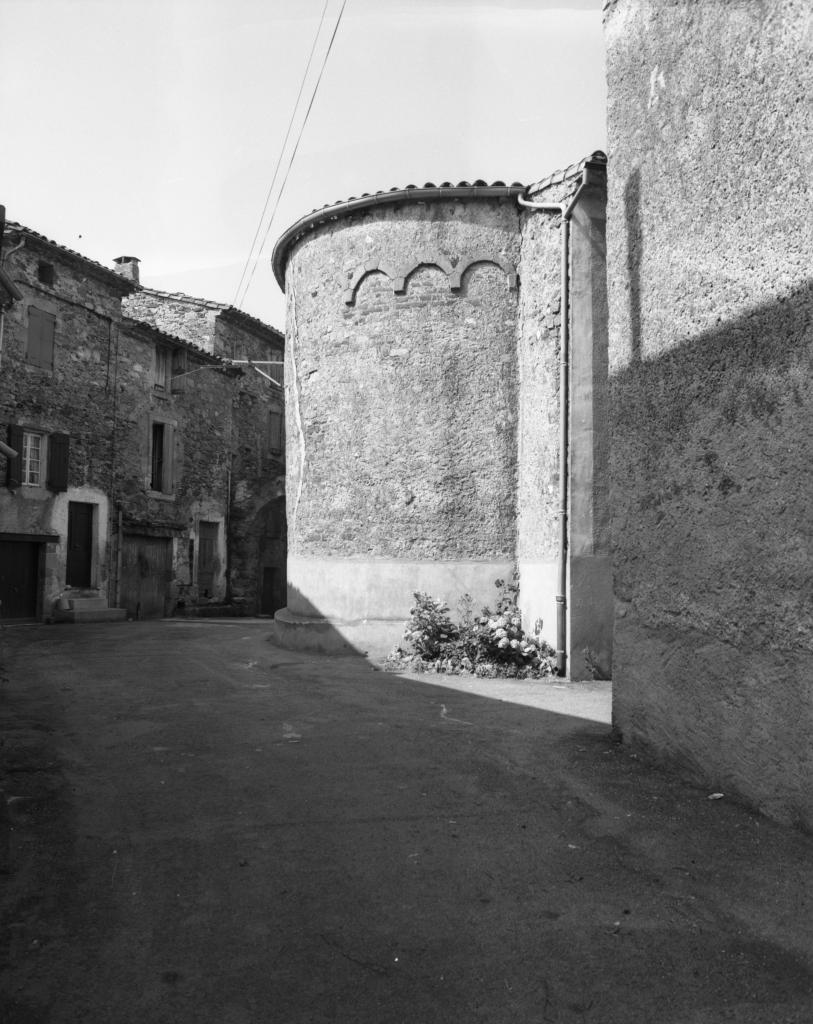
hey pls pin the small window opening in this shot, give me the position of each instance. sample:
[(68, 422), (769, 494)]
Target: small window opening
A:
[(45, 273), (157, 477)]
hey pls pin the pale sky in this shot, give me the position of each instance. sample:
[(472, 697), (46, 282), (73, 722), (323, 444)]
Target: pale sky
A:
[(152, 129)]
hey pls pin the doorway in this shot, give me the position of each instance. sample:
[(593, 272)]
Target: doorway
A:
[(207, 557), (19, 579), (80, 544), (146, 575)]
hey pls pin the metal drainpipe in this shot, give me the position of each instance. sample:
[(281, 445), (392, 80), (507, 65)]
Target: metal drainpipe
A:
[(565, 210)]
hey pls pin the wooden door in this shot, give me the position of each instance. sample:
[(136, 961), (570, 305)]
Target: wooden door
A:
[(146, 574), (80, 544), (19, 579)]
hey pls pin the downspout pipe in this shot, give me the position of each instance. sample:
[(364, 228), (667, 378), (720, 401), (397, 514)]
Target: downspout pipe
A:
[(565, 211)]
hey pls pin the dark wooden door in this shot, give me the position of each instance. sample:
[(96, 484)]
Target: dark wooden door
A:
[(19, 579), (207, 557), (146, 574), (80, 544)]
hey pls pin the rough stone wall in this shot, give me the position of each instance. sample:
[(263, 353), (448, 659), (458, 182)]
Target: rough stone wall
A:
[(256, 468), (709, 240), (538, 341), (73, 398), (201, 417), (256, 538), (193, 320), (403, 406)]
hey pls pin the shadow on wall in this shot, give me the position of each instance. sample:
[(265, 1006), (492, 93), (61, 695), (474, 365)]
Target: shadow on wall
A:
[(712, 536)]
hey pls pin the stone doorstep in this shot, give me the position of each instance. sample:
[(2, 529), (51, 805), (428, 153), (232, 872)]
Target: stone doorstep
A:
[(90, 615), (81, 604), (87, 606)]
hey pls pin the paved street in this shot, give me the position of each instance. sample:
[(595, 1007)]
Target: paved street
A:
[(204, 829)]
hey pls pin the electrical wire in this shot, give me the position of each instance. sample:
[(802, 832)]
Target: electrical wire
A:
[(296, 147), (281, 153)]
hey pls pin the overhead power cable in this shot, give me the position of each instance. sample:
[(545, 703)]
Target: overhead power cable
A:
[(281, 153), (296, 147)]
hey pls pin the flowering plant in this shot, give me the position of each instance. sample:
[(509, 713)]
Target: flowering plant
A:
[(493, 643)]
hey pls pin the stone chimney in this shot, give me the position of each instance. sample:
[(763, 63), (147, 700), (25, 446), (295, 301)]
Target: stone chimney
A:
[(127, 266)]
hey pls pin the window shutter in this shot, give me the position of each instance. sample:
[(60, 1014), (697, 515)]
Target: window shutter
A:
[(41, 338), (275, 431), (14, 466), (178, 369), (58, 451), (169, 472)]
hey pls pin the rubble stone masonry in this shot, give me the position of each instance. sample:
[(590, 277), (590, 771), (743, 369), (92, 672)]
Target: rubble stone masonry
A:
[(422, 376), (711, 305), (402, 427)]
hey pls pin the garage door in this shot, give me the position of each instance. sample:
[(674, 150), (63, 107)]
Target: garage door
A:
[(19, 579), (146, 574)]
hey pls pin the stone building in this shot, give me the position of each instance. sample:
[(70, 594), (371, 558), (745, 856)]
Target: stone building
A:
[(425, 428), (710, 241), (257, 522), (130, 450)]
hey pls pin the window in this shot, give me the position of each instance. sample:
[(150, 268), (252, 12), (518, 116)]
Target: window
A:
[(161, 441), (276, 370), (33, 458), (157, 474), (40, 349), (275, 431), (42, 460), (161, 367), (45, 273)]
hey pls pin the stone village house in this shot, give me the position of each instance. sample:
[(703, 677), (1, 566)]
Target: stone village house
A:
[(148, 477)]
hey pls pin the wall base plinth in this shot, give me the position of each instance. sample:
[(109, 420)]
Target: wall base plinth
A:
[(374, 638)]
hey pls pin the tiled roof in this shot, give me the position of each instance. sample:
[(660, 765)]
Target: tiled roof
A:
[(223, 308), (573, 171), (417, 193), (108, 275)]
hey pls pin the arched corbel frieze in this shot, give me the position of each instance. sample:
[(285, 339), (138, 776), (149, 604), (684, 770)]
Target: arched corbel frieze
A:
[(399, 277), (463, 264), (370, 267)]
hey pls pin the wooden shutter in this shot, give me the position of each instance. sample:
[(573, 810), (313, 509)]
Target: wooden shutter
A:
[(14, 466), (168, 482), (178, 369), (275, 431), (41, 338), (58, 452)]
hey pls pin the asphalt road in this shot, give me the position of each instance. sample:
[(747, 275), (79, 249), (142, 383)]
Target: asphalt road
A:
[(198, 828)]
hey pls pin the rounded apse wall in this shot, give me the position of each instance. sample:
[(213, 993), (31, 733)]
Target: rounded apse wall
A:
[(401, 411)]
